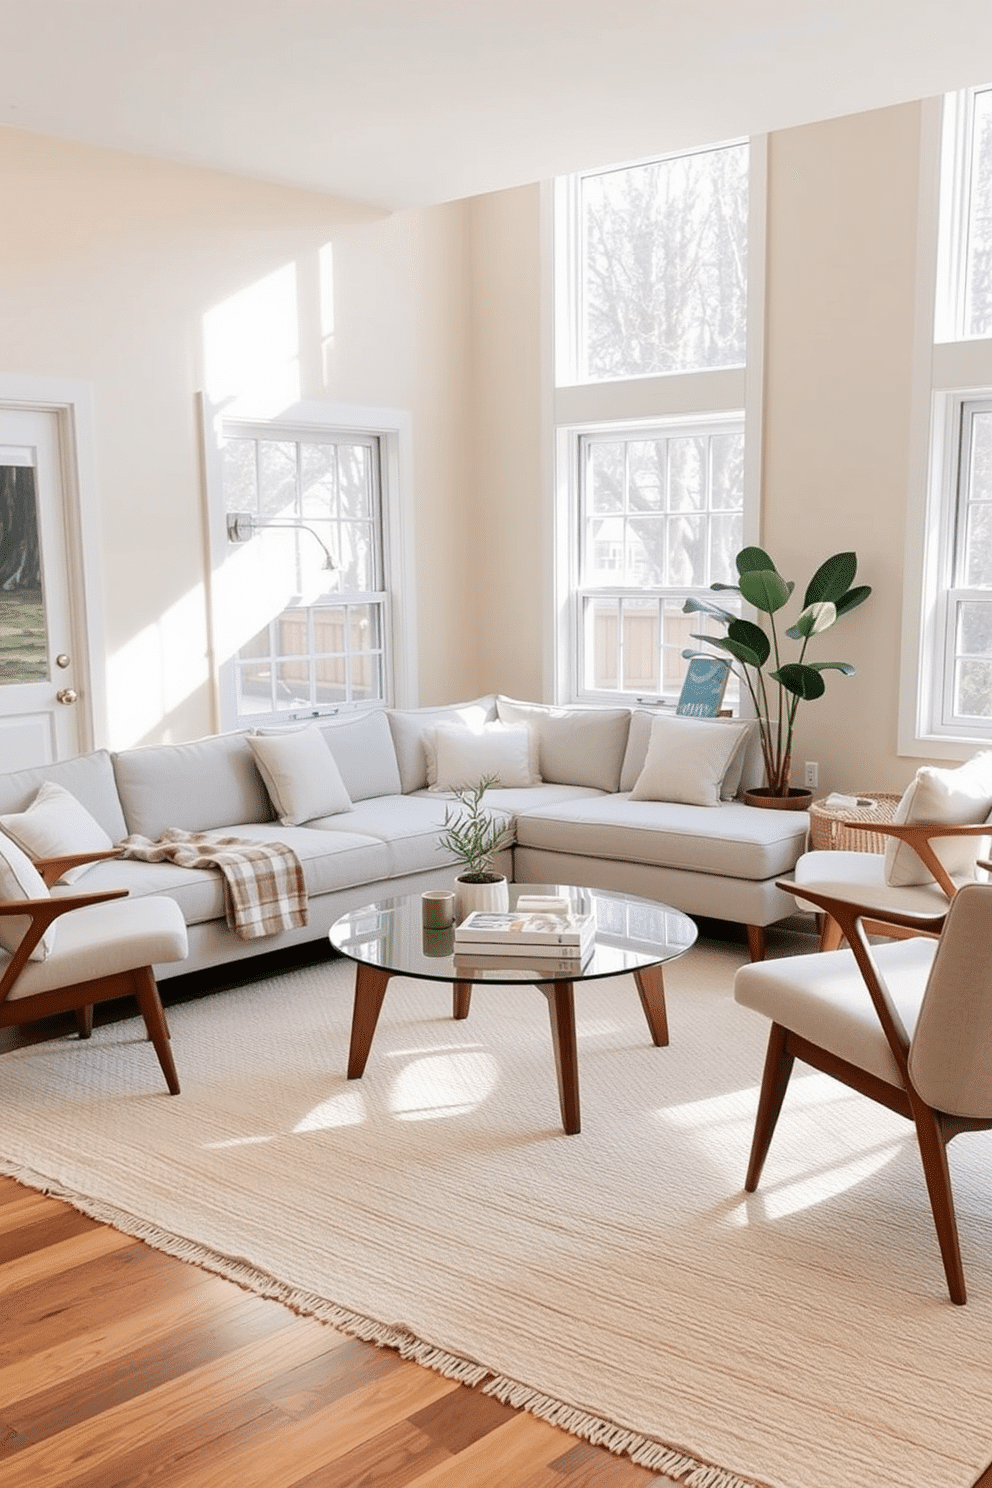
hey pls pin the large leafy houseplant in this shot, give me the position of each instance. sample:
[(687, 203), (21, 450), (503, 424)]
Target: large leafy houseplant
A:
[(777, 690)]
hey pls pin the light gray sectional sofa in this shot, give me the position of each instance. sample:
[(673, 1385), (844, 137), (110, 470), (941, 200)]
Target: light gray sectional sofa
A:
[(581, 822)]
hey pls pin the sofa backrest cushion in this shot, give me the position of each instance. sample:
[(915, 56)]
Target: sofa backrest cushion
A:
[(743, 772), (87, 777), (362, 746), (198, 786), (577, 746), (409, 725)]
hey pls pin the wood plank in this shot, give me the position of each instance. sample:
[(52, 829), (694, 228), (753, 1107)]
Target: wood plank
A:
[(69, 1254)]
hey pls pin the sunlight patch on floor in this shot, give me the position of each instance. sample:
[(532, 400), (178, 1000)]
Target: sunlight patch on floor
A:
[(441, 1085)]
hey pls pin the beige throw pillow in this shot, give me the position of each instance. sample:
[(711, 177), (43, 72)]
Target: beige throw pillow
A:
[(954, 796), (461, 757), (20, 879), (56, 823), (300, 774), (687, 760)]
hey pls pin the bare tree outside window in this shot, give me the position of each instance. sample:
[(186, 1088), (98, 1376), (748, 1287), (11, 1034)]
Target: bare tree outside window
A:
[(664, 265)]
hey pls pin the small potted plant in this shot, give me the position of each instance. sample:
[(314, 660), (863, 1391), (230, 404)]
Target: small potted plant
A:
[(474, 834), (829, 594)]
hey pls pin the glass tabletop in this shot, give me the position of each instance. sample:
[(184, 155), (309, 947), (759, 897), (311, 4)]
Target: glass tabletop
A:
[(631, 933)]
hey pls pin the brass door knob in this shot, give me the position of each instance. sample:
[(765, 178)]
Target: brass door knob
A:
[(67, 695)]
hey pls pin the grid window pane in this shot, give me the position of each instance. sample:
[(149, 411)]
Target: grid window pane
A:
[(978, 310)]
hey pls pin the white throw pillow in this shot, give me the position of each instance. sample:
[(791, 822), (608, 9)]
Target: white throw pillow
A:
[(56, 823), (687, 760), (300, 775), (459, 757), (954, 796), (20, 879)]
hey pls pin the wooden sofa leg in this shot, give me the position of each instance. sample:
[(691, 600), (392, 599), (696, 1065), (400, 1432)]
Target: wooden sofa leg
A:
[(84, 1021), (756, 942), (831, 934)]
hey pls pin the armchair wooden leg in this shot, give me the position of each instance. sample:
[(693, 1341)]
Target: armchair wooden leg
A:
[(831, 934), (774, 1082), (933, 1151), (84, 1021), (756, 942), (146, 991)]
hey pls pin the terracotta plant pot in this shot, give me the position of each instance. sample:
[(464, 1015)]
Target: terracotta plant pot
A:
[(796, 800)]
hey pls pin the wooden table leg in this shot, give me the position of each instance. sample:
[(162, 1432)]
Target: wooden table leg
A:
[(461, 999), (651, 988), (561, 1006), (370, 989)]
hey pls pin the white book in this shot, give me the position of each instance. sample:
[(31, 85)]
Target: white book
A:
[(526, 930), (507, 948), (536, 960)]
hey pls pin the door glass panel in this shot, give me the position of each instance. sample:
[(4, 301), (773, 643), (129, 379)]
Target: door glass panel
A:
[(23, 631)]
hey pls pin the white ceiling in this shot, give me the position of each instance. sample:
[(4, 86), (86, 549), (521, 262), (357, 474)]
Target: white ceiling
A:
[(409, 102)]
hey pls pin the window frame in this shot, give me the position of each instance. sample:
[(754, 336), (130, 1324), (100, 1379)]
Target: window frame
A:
[(303, 421), (581, 407)]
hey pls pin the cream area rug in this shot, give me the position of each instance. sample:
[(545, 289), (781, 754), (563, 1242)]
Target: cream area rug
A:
[(617, 1282)]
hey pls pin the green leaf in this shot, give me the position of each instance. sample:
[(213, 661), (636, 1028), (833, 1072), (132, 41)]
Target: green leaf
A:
[(853, 598), (746, 633), (734, 648), (765, 589), (832, 579), (802, 681), (833, 666), (814, 619), (695, 606), (754, 560), (733, 588)]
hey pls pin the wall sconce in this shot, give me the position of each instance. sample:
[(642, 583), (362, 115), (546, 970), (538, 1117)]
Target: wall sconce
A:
[(242, 526)]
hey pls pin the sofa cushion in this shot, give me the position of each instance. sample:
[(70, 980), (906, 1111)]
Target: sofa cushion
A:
[(954, 796), (732, 840), (362, 746), (53, 824), (687, 760), (577, 746), (408, 727), (20, 879), (458, 758), (89, 778), (201, 786), (744, 770), (300, 774), (406, 826)]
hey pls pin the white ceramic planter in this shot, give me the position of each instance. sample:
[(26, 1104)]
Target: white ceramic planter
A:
[(492, 897)]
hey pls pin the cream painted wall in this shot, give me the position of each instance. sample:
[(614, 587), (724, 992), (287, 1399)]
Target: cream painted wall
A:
[(841, 286), (509, 548), (107, 274)]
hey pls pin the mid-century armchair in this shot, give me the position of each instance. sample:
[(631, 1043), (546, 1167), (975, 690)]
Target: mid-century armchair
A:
[(64, 953), (907, 1023)]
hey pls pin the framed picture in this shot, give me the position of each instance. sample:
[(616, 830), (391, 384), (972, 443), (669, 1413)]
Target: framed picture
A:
[(704, 686)]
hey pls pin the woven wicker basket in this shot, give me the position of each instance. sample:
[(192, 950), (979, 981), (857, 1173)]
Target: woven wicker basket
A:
[(843, 830)]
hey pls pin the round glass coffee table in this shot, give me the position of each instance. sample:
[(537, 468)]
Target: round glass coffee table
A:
[(387, 938)]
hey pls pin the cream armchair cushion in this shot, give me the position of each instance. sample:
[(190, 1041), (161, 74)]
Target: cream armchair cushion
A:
[(956, 797)]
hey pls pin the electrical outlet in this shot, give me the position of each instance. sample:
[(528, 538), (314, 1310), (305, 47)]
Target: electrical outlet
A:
[(812, 774)]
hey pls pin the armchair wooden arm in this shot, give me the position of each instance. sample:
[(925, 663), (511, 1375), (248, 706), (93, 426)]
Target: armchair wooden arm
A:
[(41, 913), (918, 836), (848, 914), (52, 869)]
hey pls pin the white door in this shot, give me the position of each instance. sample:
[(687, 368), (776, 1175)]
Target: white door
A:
[(43, 716)]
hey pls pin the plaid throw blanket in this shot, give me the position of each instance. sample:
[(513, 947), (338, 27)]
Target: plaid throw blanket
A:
[(264, 887)]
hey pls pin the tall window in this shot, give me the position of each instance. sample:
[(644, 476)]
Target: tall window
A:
[(312, 505), (948, 661), (663, 273), (651, 314)]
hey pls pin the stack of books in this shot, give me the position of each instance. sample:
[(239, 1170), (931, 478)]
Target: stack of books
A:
[(558, 939)]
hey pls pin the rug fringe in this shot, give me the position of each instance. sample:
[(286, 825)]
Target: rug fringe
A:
[(642, 1450)]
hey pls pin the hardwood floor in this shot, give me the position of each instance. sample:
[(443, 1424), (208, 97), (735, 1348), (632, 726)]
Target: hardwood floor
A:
[(122, 1366)]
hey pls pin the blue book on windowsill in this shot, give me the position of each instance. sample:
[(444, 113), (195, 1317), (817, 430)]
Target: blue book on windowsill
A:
[(703, 688)]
